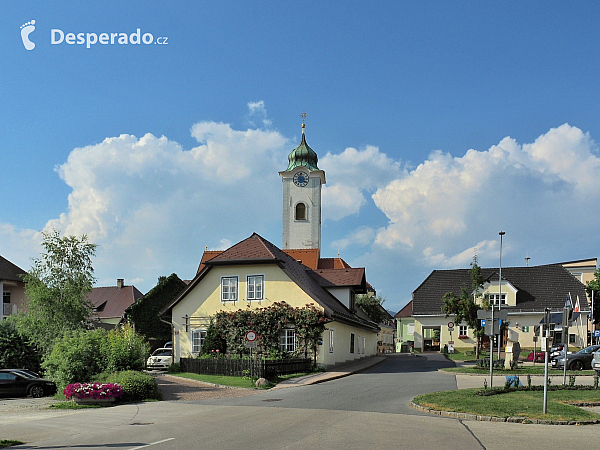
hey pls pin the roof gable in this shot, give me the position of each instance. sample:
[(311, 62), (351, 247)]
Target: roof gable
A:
[(111, 302), (257, 250), (10, 271)]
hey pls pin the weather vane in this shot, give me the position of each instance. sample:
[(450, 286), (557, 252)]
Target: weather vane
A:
[(303, 115)]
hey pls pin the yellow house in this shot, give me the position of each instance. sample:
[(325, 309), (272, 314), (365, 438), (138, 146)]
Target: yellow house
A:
[(254, 273), (525, 293)]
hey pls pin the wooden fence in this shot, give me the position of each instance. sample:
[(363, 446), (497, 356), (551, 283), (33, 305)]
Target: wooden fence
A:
[(245, 367)]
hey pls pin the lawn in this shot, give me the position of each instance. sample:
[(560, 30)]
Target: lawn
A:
[(524, 370), (526, 404), (241, 382)]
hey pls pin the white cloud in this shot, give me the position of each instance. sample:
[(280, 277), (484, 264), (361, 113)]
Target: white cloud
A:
[(148, 202), (258, 112), (447, 202), (362, 236), (350, 175)]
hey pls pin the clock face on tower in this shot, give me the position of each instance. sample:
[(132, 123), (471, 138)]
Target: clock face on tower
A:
[(301, 179)]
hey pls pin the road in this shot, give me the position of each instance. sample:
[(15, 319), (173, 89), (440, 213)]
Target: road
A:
[(362, 411)]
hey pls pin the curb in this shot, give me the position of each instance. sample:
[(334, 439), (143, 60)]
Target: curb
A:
[(481, 418)]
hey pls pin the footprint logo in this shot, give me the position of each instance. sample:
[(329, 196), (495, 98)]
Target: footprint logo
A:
[(26, 30)]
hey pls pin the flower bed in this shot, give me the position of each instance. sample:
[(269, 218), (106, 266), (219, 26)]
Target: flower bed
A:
[(95, 391)]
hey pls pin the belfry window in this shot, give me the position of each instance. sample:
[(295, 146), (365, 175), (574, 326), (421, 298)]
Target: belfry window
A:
[(300, 211)]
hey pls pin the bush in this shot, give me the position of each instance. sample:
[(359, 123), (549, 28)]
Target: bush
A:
[(79, 356), (174, 368), (15, 351), (485, 363), (136, 385), (124, 349), (75, 357)]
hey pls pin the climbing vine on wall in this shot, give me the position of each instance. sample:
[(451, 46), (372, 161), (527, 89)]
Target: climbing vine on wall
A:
[(308, 323)]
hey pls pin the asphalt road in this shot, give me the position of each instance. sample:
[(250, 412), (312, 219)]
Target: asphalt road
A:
[(385, 388), (362, 411)]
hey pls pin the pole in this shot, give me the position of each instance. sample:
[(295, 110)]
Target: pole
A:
[(501, 233), (491, 336), (547, 323)]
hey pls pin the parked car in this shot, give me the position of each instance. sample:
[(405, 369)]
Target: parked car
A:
[(21, 382), (161, 358), (577, 361), (596, 362), (556, 351)]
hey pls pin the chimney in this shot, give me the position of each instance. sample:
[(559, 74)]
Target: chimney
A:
[(120, 283)]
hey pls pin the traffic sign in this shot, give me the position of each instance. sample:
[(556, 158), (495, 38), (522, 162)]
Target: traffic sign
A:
[(596, 333), (450, 325), (251, 336)]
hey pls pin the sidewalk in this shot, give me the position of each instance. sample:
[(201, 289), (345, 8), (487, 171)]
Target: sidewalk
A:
[(336, 372)]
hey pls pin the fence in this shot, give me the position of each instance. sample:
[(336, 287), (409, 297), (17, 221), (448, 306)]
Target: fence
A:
[(241, 367)]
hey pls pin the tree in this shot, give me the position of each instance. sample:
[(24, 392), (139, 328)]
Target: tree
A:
[(56, 288), (372, 306), (594, 286), (464, 307), (144, 313)]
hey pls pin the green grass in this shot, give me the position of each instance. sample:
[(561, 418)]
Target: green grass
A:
[(9, 443), (524, 370), (241, 382), (526, 404), (72, 405)]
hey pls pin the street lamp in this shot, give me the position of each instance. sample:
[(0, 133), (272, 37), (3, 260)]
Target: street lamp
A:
[(501, 233)]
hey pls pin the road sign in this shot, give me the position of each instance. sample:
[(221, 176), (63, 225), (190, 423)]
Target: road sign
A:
[(450, 325), (596, 333), (250, 344), (251, 336)]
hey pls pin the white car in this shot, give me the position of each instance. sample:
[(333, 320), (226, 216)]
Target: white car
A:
[(161, 358), (596, 362)]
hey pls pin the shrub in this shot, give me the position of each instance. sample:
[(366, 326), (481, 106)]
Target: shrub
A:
[(136, 385), (124, 349), (15, 350), (174, 368), (75, 357)]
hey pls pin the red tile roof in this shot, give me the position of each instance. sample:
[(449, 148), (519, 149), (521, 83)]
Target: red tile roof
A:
[(110, 302), (256, 249)]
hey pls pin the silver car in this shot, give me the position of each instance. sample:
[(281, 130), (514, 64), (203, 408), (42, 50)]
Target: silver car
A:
[(161, 358), (596, 362)]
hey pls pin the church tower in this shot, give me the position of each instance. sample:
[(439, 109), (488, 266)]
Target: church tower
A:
[(302, 182)]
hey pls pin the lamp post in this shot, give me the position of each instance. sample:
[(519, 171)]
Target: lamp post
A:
[(501, 233)]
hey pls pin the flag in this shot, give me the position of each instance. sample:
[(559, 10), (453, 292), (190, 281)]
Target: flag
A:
[(577, 306), (568, 303)]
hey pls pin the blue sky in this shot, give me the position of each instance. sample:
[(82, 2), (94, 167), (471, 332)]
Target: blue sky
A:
[(438, 125)]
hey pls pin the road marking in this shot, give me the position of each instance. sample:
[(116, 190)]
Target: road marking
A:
[(153, 443)]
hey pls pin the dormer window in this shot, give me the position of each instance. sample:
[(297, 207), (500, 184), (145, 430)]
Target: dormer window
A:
[(300, 211)]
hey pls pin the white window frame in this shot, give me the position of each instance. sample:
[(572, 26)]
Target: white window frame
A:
[(359, 342), (196, 347), (331, 339), (287, 340), (254, 278), (364, 344), (226, 286), (494, 299), (463, 330)]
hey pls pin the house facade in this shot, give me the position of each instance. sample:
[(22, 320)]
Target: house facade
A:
[(12, 288), (524, 294), (255, 273), (405, 329)]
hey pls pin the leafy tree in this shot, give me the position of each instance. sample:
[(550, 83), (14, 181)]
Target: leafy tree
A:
[(15, 351), (144, 313), (213, 341), (56, 288), (464, 306), (373, 307), (594, 286)]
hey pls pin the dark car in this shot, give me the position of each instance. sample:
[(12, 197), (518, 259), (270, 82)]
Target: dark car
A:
[(577, 361), (21, 382)]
